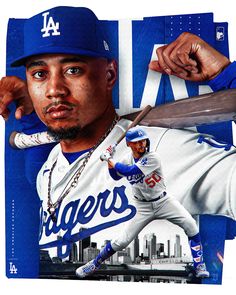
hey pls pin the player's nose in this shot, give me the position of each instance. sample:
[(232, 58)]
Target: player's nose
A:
[(56, 87)]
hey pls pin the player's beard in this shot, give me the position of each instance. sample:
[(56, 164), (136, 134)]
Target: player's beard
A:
[(64, 133), (141, 153)]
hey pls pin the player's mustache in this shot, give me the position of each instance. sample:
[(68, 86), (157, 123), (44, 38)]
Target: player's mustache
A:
[(56, 104)]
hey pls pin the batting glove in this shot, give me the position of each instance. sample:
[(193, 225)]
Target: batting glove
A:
[(105, 156), (111, 149)]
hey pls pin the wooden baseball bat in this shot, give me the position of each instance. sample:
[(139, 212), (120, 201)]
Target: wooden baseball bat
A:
[(20, 140), (194, 111)]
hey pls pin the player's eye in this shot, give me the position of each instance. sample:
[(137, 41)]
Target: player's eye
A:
[(74, 71), (39, 74)]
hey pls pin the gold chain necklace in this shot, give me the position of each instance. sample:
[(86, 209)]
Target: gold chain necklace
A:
[(75, 178)]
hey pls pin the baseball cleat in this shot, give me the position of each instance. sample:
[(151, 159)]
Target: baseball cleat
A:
[(87, 269), (201, 271)]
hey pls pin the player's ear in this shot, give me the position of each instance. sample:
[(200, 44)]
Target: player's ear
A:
[(111, 74)]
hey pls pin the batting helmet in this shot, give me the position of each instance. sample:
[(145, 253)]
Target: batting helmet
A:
[(135, 134)]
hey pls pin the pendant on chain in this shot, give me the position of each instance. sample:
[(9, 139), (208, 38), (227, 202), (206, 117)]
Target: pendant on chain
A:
[(52, 212)]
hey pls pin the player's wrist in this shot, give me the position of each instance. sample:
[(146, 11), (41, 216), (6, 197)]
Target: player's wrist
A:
[(219, 69), (111, 163)]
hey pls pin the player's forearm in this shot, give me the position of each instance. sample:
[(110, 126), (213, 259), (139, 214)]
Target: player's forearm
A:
[(127, 170)]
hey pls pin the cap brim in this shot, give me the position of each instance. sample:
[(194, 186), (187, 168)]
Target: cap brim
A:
[(21, 61), (138, 139)]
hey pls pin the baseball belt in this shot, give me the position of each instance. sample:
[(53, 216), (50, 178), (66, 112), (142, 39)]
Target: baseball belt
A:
[(152, 200)]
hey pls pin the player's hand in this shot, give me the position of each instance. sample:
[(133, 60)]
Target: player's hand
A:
[(189, 58), (14, 89), (105, 156)]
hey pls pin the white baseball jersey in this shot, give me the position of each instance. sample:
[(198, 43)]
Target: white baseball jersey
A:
[(198, 171), (150, 184)]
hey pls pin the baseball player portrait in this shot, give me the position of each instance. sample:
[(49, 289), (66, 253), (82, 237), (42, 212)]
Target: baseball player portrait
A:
[(69, 86), (143, 171)]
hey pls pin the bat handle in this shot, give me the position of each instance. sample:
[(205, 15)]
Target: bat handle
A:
[(19, 140)]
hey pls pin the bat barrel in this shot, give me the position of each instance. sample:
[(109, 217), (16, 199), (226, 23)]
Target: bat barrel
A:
[(194, 111)]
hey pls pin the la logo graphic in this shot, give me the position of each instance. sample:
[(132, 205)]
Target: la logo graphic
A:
[(49, 26), (140, 133)]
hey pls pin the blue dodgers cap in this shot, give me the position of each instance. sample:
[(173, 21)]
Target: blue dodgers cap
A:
[(64, 30)]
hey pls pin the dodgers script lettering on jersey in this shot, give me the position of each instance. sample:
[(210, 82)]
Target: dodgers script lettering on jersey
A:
[(112, 206)]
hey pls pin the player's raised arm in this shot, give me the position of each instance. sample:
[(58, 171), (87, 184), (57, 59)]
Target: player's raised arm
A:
[(14, 89), (190, 58)]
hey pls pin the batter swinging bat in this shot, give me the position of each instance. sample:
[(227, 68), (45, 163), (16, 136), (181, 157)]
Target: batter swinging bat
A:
[(197, 110)]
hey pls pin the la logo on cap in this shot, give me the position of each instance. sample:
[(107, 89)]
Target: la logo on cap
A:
[(140, 133), (49, 26)]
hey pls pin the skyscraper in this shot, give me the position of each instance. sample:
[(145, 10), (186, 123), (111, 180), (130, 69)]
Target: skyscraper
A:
[(177, 246), (153, 246), (160, 249), (134, 249), (168, 249), (149, 245), (82, 245), (145, 246), (73, 253)]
